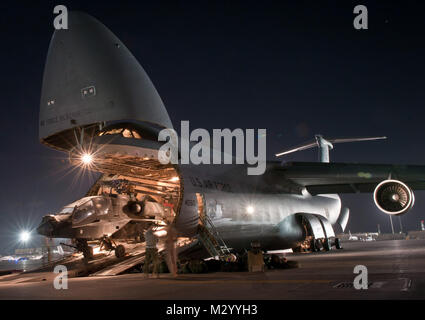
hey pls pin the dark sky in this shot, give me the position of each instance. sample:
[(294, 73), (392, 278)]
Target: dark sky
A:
[(295, 68)]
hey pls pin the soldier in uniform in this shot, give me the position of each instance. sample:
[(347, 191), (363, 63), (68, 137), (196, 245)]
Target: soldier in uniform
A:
[(151, 255), (255, 258)]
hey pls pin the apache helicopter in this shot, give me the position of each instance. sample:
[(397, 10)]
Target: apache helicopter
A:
[(117, 215), (99, 106)]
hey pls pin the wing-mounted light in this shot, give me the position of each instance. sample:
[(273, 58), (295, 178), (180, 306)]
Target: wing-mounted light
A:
[(325, 145), (393, 197)]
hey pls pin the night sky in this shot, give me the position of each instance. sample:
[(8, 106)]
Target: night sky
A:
[(296, 68)]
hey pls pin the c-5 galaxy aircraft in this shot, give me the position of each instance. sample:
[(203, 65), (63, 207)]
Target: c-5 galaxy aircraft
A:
[(99, 106)]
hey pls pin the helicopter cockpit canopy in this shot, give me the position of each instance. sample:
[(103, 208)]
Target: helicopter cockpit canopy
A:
[(87, 207), (92, 207)]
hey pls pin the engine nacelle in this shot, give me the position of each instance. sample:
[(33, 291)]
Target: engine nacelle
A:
[(134, 207), (393, 197), (145, 209)]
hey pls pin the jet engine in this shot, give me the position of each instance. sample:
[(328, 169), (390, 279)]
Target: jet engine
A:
[(145, 209), (393, 197)]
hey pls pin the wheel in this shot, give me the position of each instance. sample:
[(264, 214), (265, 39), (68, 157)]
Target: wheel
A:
[(142, 237), (313, 246), (327, 244), (338, 243), (120, 251), (88, 253), (296, 249), (318, 244)]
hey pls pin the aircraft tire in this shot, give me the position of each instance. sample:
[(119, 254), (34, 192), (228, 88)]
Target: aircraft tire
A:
[(318, 245), (88, 253), (296, 249), (314, 247), (338, 243), (120, 251), (327, 245)]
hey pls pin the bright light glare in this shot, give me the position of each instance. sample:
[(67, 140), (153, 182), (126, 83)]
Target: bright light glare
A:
[(174, 179), (160, 233), (24, 236), (87, 158), (250, 209), (96, 250)]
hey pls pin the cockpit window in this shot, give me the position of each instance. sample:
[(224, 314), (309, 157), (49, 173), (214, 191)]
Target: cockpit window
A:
[(136, 134), (91, 207), (83, 212), (101, 205), (66, 210), (112, 131), (125, 132)]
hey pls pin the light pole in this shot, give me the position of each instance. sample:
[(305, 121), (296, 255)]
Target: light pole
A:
[(401, 226), (392, 226)]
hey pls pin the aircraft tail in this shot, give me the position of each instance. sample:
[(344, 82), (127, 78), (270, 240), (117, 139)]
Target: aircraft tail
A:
[(325, 145)]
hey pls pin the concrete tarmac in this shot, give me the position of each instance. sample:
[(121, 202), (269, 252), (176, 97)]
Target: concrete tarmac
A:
[(396, 270)]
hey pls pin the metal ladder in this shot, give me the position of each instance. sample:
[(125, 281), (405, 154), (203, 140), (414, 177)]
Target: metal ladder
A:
[(210, 238)]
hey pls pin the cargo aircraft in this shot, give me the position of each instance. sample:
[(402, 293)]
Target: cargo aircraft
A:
[(99, 106)]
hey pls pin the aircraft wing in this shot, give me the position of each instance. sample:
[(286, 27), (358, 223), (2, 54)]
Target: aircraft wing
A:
[(322, 178)]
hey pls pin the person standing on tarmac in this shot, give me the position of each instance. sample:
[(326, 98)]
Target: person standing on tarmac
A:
[(151, 254), (170, 245)]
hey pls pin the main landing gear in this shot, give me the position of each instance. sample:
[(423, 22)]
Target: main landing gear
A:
[(105, 243), (338, 243), (110, 245), (326, 244), (316, 245), (82, 246)]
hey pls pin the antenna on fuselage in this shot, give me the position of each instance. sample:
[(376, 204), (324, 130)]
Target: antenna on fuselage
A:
[(325, 145)]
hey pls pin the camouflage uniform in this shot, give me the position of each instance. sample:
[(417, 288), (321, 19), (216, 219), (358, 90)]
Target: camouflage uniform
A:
[(151, 255)]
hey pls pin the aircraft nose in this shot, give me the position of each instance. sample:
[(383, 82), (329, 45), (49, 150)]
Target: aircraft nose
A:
[(101, 69), (46, 226)]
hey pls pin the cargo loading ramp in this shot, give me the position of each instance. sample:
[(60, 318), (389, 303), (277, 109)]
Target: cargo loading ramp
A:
[(125, 265), (138, 258)]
